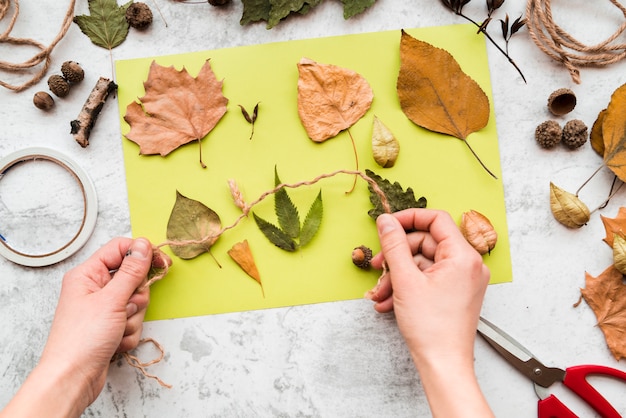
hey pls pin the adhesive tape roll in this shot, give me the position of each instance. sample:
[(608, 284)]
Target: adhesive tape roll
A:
[(90, 212)]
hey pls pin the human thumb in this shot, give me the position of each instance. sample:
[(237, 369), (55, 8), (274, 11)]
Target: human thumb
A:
[(394, 244), (134, 268)]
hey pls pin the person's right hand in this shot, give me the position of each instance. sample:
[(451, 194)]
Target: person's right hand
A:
[(435, 284)]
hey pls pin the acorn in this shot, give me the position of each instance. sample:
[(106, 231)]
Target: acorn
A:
[(561, 102), (548, 134), (58, 85), (574, 134), (72, 71), (43, 100), (361, 257), (139, 16)]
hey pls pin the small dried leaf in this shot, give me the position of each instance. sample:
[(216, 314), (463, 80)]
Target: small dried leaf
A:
[(619, 253), (614, 226), (478, 231), (567, 208), (330, 98), (191, 220), (242, 255), (606, 295), (398, 198), (385, 146), (595, 136), (517, 25), (245, 114)]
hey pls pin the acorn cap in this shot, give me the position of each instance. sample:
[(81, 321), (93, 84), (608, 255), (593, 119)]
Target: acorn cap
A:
[(561, 101)]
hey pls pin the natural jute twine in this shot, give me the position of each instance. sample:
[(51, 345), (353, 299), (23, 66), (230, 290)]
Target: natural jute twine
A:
[(563, 47), (42, 57)]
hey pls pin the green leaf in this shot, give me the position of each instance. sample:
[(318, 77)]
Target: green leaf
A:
[(354, 7), (275, 234), (312, 221), (254, 11), (286, 211), (398, 198), (106, 25), (191, 220)]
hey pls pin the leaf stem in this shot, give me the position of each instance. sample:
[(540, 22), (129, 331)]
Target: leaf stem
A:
[(479, 160), (589, 179), (356, 159), (200, 147)]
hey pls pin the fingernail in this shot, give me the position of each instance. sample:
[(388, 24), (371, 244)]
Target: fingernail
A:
[(131, 309), (139, 248), (385, 223)]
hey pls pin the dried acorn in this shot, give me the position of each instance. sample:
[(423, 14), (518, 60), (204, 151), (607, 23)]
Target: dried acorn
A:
[(574, 134), (43, 100), (361, 257), (139, 15), (548, 134), (72, 72), (58, 85)]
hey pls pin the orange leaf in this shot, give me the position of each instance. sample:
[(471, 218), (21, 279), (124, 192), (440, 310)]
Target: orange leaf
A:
[(614, 226), (242, 255), (606, 295), (176, 109), (614, 133), (330, 98), (436, 94)]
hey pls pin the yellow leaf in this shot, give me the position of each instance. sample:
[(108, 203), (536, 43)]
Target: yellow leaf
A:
[(614, 133), (567, 208), (330, 98), (385, 146)]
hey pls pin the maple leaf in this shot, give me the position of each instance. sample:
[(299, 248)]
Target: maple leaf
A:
[(614, 226), (606, 295), (437, 95), (398, 198), (106, 26), (175, 110)]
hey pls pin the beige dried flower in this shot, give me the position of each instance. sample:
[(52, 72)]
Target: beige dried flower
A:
[(237, 196), (478, 231), (567, 208)]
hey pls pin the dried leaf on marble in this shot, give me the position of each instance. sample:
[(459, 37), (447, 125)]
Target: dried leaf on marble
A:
[(176, 109)]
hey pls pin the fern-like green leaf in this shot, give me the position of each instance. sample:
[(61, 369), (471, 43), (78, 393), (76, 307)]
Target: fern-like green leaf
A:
[(275, 234), (312, 221), (286, 211)]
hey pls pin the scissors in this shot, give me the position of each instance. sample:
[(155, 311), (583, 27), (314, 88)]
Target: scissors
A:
[(574, 378)]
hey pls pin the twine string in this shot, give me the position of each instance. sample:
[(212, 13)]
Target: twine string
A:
[(44, 54), (561, 46)]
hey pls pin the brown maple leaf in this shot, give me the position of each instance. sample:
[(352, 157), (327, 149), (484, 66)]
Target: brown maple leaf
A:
[(614, 226), (606, 295), (176, 109)]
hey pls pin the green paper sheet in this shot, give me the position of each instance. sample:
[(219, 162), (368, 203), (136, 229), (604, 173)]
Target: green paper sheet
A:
[(438, 167)]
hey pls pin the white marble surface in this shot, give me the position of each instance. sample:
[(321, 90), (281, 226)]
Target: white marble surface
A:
[(336, 359)]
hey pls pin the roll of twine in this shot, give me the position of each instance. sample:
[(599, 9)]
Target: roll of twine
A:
[(561, 46), (41, 58)]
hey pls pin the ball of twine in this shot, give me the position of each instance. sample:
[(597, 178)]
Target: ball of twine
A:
[(42, 57), (563, 47)]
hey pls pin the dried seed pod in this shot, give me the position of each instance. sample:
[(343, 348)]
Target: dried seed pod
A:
[(574, 134), (567, 208), (385, 146), (548, 134), (361, 257), (561, 102), (619, 253), (43, 100), (478, 231), (139, 15)]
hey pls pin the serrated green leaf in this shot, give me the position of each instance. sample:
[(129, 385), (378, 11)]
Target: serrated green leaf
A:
[(191, 220), (106, 23), (397, 198), (254, 11), (286, 211), (275, 234), (281, 9), (354, 7), (312, 221)]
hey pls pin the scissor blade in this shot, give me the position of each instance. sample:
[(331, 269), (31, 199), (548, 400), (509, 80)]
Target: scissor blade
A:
[(518, 356)]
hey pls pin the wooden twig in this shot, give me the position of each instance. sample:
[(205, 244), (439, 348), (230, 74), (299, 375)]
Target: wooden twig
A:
[(81, 126)]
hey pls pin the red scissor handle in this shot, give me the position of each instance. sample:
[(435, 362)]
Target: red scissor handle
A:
[(576, 381)]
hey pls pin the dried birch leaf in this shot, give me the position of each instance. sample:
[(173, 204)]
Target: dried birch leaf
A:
[(614, 226), (330, 98), (242, 255), (398, 198), (106, 24), (176, 109), (191, 220), (385, 146), (614, 133), (567, 208), (606, 295)]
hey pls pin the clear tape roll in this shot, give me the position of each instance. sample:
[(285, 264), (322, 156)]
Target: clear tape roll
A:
[(90, 212)]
